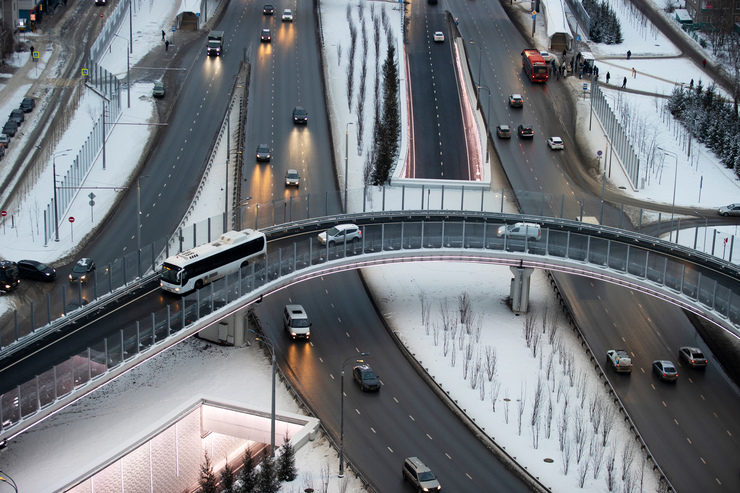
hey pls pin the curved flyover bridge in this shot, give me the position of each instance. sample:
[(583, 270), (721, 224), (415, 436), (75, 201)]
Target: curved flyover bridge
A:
[(696, 282)]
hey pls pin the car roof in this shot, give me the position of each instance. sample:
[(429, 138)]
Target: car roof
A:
[(692, 349), (345, 226), (295, 309), (556, 139), (84, 261), (516, 95), (292, 171), (664, 362), (30, 262)]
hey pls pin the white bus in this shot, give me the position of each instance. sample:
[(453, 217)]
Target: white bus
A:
[(198, 266)]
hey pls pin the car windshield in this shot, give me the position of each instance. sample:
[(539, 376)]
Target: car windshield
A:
[(39, 266), (698, 355), (80, 268), (169, 273), (426, 476), (333, 231), (292, 174), (668, 369), (369, 375), (299, 322)]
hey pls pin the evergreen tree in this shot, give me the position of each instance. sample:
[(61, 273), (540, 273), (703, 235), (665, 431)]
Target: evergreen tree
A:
[(286, 462), (227, 477), (389, 128), (207, 481), (248, 475), (267, 481)]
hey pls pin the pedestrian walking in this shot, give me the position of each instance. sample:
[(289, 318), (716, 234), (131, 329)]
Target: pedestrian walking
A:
[(162, 34), (634, 72), (691, 84), (167, 45), (624, 82), (704, 62), (629, 54), (564, 53), (608, 76)]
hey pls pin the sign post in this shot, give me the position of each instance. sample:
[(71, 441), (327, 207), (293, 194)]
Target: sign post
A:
[(71, 230)]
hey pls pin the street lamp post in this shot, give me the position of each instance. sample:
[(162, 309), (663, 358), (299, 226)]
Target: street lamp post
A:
[(480, 62), (341, 413), (54, 178), (675, 179), (272, 410), (138, 211), (488, 112), (4, 478), (346, 161), (128, 71)]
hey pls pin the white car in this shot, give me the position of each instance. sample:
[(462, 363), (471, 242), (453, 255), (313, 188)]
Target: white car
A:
[(555, 143), (439, 37), (287, 15), (729, 210), (340, 233)]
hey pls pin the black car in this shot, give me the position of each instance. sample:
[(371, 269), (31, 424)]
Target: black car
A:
[(4, 141), (27, 105), (17, 116), (263, 152), (9, 278), (268, 9), (265, 37), (366, 377), (32, 269), (525, 132), (10, 128), (82, 271), (300, 115)]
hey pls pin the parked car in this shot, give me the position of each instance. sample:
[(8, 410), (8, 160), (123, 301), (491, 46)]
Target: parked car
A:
[(2, 151), (10, 128), (549, 57), (268, 9), (729, 210), (292, 179), (693, 357), (366, 377), (9, 276), (340, 233), (18, 116), (503, 131), (265, 37), (666, 370), (263, 152), (287, 15), (530, 231), (38, 271), (296, 322), (4, 141), (555, 143), (27, 105), (525, 132), (82, 271), (419, 475), (516, 101), (300, 115), (158, 91), (439, 37)]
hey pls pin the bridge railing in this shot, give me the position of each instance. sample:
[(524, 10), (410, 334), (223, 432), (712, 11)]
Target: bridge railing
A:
[(294, 254)]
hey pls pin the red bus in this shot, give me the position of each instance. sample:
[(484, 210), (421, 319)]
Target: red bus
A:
[(534, 66)]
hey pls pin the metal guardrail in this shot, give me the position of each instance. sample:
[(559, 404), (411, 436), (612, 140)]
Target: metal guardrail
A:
[(699, 283)]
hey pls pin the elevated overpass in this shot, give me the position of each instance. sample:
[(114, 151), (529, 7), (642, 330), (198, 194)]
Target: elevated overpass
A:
[(696, 282)]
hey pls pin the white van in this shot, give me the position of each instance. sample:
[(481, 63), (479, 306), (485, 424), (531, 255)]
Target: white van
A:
[(296, 322), (520, 231)]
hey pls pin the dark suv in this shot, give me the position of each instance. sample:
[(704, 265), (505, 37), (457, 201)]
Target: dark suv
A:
[(82, 271), (526, 132), (9, 276), (418, 474), (366, 378), (300, 115), (10, 128), (27, 105)]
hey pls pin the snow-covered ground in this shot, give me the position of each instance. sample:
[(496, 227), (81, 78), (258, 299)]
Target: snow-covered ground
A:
[(130, 403)]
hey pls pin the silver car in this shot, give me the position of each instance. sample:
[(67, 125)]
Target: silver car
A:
[(729, 210), (340, 233)]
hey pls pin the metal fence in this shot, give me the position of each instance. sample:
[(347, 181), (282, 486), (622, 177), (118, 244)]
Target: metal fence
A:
[(114, 19), (618, 137), (613, 257)]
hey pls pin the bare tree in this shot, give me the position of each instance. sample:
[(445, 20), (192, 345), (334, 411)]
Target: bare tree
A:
[(477, 326), (552, 329), (583, 471), (607, 423), (325, 478), (610, 478), (424, 301), (339, 54), (536, 429), (521, 403), (563, 428), (461, 340), (435, 333), (453, 355), (463, 305), (597, 455), (629, 482), (530, 321), (580, 433), (548, 368), (535, 343), (571, 370), (582, 387), (506, 410), (536, 404), (628, 455), (466, 364), (490, 362), (308, 481), (548, 421), (565, 456), (343, 484), (596, 408), (446, 315), (495, 389), (482, 388), (351, 63)]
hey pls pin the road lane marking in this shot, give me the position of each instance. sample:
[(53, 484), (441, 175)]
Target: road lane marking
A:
[(321, 359), (357, 411), (395, 400), (429, 436), (664, 404), (412, 418), (689, 440), (448, 456), (373, 430), (729, 433), (675, 421), (390, 450), (702, 397), (469, 476), (332, 376), (653, 386), (702, 459)]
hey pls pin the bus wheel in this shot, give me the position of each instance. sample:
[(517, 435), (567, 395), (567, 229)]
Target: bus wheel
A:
[(199, 284)]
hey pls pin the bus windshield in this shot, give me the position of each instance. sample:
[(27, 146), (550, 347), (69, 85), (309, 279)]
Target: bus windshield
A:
[(170, 274)]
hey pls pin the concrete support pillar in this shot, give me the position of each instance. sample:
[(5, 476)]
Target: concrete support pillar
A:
[(240, 325), (519, 290)]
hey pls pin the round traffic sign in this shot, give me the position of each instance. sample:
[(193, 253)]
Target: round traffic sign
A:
[(4, 213), (71, 219)]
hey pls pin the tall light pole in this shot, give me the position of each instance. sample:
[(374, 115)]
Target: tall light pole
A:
[(346, 160), (128, 71), (54, 178), (138, 211), (341, 412), (489, 110), (480, 62), (272, 419), (675, 179)]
